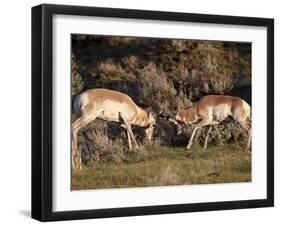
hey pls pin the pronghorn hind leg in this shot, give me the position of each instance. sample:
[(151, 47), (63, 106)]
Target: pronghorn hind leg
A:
[(129, 130), (75, 163), (76, 126), (207, 137), (249, 139)]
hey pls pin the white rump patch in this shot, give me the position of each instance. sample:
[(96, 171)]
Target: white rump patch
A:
[(80, 101), (246, 108)]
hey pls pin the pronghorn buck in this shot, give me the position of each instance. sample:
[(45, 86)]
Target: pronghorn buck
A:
[(109, 105), (212, 110)]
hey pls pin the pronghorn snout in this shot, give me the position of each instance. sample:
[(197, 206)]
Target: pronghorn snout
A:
[(167, 116)]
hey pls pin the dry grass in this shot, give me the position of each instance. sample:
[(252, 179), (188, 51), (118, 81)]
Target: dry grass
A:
[(173, 167)]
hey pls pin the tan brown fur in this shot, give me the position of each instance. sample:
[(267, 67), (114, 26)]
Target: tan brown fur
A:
[(109, 105), (187, 114), (212, 110)]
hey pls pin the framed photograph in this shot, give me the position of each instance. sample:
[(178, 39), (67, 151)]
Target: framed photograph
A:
[(146, 112)]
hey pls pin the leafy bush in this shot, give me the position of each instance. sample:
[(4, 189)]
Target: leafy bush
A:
[(77, 83)]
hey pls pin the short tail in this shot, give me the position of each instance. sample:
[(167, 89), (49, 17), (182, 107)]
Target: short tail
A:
[(77, 104)]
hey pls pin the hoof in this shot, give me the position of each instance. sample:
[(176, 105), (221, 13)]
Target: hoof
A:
[(187, 148)]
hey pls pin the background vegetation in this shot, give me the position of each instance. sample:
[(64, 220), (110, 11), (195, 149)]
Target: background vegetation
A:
[(162, 74)]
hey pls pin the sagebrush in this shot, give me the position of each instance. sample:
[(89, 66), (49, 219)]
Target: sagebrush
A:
[(161, 74)]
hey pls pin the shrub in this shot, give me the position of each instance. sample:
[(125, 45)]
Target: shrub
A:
[(104, 144), (77, 84)]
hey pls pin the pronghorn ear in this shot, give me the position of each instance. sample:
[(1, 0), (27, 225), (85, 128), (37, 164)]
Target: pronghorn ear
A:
[(148, 110)]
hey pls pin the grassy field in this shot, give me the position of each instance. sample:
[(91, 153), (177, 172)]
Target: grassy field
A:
[(173, 166)]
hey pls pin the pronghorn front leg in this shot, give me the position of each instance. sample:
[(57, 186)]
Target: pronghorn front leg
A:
[(198, 126), (178, 126), (129, 129), (128, 135)]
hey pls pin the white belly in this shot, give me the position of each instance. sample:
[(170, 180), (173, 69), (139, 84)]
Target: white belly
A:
[(111, 111), (109, 117), (221, 112)]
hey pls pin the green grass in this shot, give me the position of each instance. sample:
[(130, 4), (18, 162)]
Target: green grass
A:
[(173, 166)]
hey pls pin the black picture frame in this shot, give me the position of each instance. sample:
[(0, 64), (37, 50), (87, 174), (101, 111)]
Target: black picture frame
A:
[(42, 107)]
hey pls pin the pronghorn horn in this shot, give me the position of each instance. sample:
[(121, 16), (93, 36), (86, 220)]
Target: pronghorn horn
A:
[(161, 114)]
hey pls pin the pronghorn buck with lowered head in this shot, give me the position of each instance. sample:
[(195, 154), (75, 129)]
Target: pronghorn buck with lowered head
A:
[(109, 105), (212, 110)]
